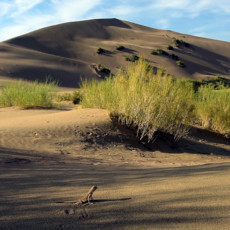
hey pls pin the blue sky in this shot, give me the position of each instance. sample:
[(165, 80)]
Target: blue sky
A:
[(205, 18)]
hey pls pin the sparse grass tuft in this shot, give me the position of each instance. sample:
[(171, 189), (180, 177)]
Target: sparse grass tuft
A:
[(28, 94)]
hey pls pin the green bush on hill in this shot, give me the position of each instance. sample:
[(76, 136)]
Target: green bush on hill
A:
[(133, 58), (120, 48), (100, 50)]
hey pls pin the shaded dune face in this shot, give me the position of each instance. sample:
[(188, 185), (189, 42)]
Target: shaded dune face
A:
[(68, 52)]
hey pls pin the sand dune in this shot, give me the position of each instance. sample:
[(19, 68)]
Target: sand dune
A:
[(67, 51)]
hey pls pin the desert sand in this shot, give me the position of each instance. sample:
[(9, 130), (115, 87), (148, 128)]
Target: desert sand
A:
[(49, 156)]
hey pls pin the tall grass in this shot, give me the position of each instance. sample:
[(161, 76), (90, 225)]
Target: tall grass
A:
[(213, 108), (149, 102), (28, 94)]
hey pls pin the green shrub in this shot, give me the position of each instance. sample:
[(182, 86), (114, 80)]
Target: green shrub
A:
[(147, 101), (100, 50), (162, 52), (120, 47), (75, 97), (154, 52), (213, 108), (174, 57), (217, 82), (28, 94), (159, 51), (103, 69), (133, 58), (169, 47), (178, 43), (180, 64)]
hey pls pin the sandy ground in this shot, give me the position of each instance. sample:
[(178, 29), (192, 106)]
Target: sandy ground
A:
[(48, 156)]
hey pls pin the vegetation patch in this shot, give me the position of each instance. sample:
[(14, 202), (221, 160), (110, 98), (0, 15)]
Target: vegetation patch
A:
[(74, 97), (153, 102), (154, 52), (213, 108), (103, 69), (169, 47), (133, 58), (174, 57), (28, 94), (216, 82), (120, 48), (100, 51), (142, 99), (178, 43), (180, 63), (159, 51)]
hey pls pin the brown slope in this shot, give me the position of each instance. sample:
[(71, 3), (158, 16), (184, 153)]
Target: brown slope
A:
[(67, 51)]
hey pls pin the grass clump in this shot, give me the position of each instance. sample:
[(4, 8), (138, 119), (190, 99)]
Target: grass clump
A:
[(133, 58), (159, 51), (169, 47), (178, 43), (103, 69), (75, 97), (28, 94), (100, 50), (144, 100), (180, 63), (120, 48), (174, 57), (213, 108), (154, 52)]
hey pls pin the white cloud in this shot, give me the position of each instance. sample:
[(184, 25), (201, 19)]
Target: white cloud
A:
[(163, 23), (22, 6), (178, 4), (191, 8), (11, 31), (5, 7), (73, 9), (123, 10), (24, 21)]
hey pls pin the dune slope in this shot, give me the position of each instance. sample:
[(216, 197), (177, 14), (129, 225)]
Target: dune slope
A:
[(68, 52)]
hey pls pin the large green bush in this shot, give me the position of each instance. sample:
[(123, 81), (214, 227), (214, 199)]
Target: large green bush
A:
[(144, 100)]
